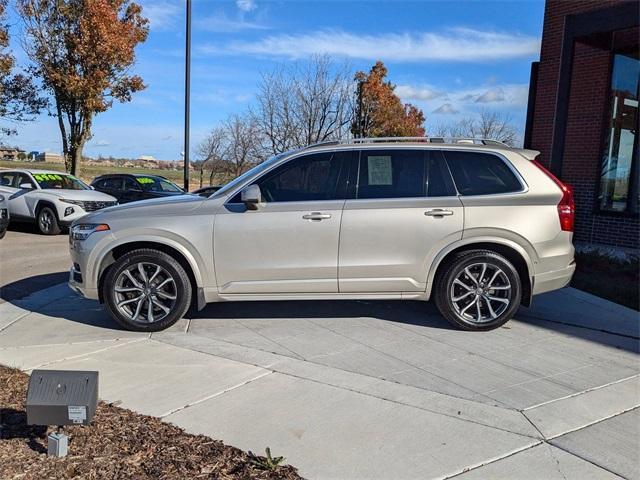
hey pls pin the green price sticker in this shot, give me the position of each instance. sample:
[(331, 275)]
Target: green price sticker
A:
[(145, 180)]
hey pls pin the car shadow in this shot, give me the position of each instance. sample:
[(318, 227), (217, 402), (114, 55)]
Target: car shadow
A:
[(415, 313)]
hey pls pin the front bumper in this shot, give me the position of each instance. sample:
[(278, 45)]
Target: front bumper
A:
[(554, 280), (85, 264)]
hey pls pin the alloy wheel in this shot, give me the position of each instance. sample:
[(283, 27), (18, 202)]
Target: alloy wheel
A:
[(480, 293), (145, 292)]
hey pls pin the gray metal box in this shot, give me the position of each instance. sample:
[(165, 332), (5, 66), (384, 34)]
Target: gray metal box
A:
[(61, 397)]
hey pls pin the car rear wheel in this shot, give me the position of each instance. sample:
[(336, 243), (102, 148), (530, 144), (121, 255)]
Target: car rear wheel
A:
[(146, 290), (479, 290), (48, 221)]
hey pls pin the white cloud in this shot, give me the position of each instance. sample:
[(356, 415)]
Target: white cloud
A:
[(221, 23), (101, 143), (246, 5), (408, 92), (491, 96), (446, 109), (455, 44), (161, 15)]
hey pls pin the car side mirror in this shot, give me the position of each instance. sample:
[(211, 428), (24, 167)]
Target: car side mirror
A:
[(26, 186), (251, 197)]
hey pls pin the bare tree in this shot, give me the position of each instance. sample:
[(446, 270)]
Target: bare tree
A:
[(211, 153), (488, 124), (243, 147), (303, 104)]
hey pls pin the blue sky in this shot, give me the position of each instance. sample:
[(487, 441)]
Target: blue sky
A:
[(449, 58)]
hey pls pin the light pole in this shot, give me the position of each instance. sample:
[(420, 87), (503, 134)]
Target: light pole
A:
[(187, 94)]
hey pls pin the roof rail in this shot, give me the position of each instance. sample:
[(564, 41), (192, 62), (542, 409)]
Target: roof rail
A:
[(447, 140)]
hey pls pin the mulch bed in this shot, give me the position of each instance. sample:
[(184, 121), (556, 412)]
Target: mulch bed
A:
[(120, 444)]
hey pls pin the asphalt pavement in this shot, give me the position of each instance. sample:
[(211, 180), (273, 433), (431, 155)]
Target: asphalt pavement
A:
[(30, 262)]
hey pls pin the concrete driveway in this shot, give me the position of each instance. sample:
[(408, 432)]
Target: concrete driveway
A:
[(367, 389)]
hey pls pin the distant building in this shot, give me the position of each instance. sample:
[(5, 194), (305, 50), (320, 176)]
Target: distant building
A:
[(49, 157), (11, 153), (146, 158)]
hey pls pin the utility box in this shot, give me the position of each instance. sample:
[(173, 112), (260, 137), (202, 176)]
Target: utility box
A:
[(61, 397)]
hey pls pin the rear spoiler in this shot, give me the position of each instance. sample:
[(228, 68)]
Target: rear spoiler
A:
[(528, 154)]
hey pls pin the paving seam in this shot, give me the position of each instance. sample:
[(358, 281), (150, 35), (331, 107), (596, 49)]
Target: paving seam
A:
[(217, 394), (407, 363), (26, 314), (73, 357), (502, 405), (273, 369), (585, 459), (558, 322), (593, 423), (582, 392), (489, 462)]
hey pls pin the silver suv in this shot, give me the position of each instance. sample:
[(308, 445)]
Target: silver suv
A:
[(476, 225)]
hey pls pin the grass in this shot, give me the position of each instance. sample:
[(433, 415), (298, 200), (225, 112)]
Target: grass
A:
[(119, 444), (610, 278)]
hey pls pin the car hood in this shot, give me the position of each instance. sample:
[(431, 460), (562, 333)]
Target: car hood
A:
[(84, 195), (170, 205)]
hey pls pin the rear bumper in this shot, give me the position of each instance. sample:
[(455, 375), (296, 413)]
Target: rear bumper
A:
[(554, 280)]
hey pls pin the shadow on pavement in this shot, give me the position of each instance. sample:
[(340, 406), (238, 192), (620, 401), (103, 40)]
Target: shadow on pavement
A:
[(67, 305), (402, 311), (26, 286)]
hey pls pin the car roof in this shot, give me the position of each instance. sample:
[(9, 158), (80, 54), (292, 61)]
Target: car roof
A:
[(32, 171), (129, 175), (426, 143)]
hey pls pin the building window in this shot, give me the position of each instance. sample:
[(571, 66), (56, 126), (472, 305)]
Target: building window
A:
[(619, 175)]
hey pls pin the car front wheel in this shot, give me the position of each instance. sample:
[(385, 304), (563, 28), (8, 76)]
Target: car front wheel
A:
[(48, 221), (479, 290), (146, 290)]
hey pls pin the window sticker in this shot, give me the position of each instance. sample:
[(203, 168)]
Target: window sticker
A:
[(144, 180), (44, 177), (379, 170)]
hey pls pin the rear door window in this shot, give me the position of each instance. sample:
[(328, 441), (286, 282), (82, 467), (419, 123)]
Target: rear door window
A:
[(396, 173), (477, 173), (391, 174)]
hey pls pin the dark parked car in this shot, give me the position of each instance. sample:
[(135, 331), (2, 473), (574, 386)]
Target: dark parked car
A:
[(132, 187), (207, 191)]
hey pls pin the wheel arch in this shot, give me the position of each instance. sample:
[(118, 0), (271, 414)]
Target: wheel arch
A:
[(513, 252), (177, 252)]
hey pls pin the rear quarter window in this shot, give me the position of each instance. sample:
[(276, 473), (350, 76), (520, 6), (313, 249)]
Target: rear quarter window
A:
[(478, 173)]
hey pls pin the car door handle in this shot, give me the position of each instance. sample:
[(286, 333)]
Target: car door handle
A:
[(438, 212), (316, 216)]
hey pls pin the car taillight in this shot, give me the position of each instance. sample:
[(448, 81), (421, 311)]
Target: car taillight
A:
[(567, 206)]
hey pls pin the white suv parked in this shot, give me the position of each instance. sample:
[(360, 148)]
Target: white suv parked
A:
[(49, 198), (479, 227)]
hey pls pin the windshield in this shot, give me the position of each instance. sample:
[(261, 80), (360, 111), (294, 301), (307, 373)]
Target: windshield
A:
[(249, 173), (157, 184), (59, 181)]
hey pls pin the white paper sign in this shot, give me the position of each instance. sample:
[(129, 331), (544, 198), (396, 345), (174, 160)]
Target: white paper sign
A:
[(77, 414), (379, 170)]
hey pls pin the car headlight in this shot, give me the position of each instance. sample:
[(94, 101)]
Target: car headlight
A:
[(1, 198), (80, 203), (83, 230)]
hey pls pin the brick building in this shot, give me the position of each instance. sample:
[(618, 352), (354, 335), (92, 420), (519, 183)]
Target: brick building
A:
[(583, 113)]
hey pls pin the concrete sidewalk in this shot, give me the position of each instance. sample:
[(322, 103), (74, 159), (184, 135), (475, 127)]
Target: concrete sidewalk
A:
[(368, 389)]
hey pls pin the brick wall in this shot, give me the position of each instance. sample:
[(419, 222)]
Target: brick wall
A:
[(586, 123)]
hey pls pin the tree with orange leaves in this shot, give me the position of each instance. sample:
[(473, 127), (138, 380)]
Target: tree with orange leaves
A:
[(82, 51), (379, 111)]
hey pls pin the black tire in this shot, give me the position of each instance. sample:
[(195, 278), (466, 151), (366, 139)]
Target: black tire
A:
[(182, 291), (2, 233), (47, 221), (508, 287)]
